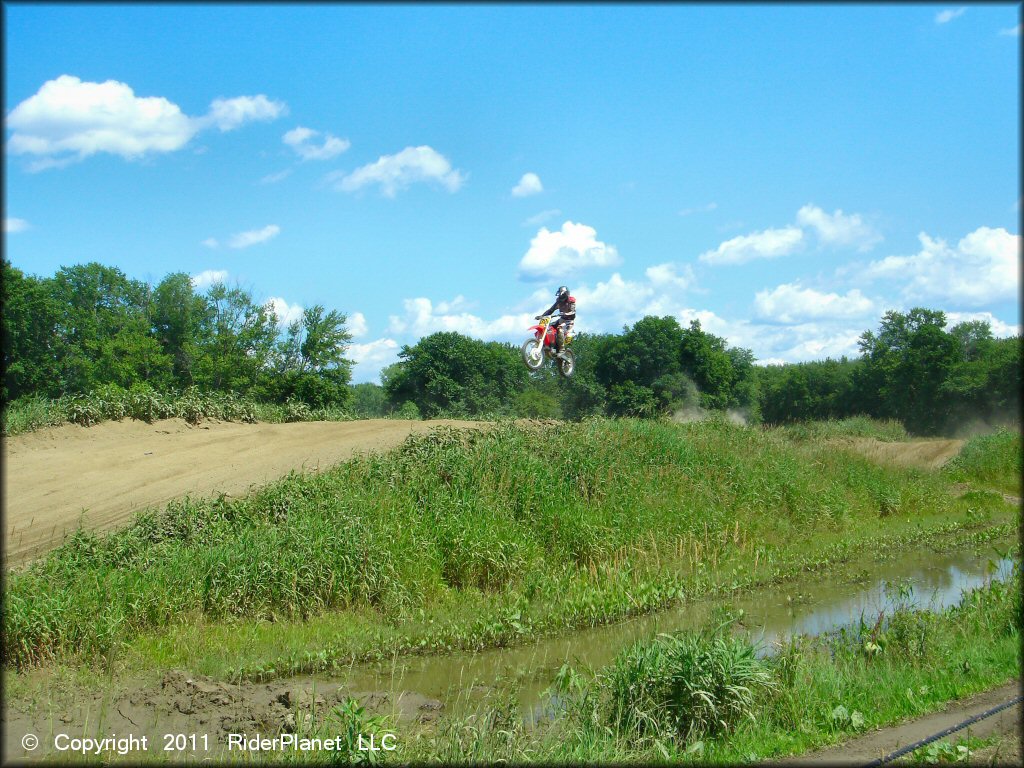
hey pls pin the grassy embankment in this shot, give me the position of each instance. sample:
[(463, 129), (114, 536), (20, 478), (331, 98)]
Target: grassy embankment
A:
[(467, 540), (706, 697), (990, 461)]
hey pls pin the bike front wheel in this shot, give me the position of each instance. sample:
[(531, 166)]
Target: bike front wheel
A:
[(533, 354)]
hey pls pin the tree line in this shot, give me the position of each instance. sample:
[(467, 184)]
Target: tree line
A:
[(912, 369), (91, 325)]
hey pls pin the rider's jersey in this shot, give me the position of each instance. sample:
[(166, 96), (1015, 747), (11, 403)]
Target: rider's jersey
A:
[(566, 307)]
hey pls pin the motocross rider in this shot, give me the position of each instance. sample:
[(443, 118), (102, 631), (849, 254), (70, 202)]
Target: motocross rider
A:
[(566, 306)]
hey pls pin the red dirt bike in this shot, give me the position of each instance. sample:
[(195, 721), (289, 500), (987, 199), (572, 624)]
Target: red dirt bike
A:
[(542, 347)]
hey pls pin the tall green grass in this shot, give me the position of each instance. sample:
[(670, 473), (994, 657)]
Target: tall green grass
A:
[(888, 430), (990, 461), (596, 519)]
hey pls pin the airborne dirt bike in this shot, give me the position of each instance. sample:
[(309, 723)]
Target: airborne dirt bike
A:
[(542, 347)]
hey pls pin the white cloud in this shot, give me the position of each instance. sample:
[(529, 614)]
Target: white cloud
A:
[(68, 120), (1011, 32), (423, 318), (286, 313), (211, 242), (1000, 329), (209, 277), (396, 172), (944, 17), (612, 303), (252, 237), (789, 303), (699, 209), (982, 268), (768, 244), (357, 324), (823, 345), (667, 275), (563, 252), (273, 178), (540, 218), (299, 140), (371, 357), (528, 185), (12, 225), (777, 344), (459, 303), (838, 228), (229, 114)]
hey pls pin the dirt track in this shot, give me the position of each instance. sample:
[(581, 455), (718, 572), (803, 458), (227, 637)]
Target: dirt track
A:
[(929, 453), (876, 744), (101, 475)]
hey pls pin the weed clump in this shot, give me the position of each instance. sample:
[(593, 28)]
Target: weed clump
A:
[(684, 687)]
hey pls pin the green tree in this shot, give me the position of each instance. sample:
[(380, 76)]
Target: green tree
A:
[(368, 401), (30, 351), (985, 381), (237, 340), (807, 391), (704, 358), (1003, 387), (104, 330), (641, 369), (180, 316), (631, 399), (584, 394), (311, 360), (657, 366), (905, 366), (448, 373)]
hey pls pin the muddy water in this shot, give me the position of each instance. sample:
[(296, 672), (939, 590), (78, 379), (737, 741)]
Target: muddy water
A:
[(918, 578)]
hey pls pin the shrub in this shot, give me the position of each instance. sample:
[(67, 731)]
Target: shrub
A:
[(407, 411), (685, 686)]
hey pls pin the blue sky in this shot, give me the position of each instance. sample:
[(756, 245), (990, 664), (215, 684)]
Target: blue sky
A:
[(784, 174)]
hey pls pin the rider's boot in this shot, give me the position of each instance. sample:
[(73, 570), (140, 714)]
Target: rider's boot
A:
[(559, 346)]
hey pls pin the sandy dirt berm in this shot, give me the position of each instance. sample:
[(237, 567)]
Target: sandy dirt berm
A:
[(58, 478)]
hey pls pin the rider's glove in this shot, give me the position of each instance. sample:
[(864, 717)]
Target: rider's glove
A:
[(538, 317)]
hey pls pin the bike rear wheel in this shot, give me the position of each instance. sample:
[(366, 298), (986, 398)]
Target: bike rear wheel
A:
[(567, 367)]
